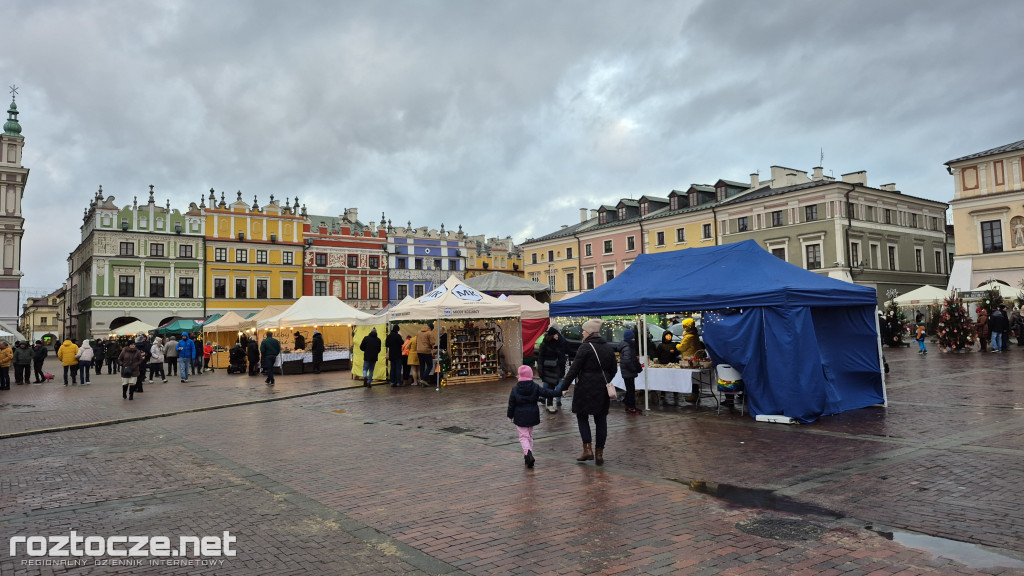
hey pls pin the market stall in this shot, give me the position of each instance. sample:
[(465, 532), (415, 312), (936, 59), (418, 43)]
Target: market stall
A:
[(222, 333), (330, 316), (806, 345), (482, 333), (535, 320)]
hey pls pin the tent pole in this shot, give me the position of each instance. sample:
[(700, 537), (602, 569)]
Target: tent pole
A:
[(437, 360), (643, 356)]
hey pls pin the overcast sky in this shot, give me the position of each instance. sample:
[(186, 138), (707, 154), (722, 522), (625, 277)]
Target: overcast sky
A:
[(504, 117)]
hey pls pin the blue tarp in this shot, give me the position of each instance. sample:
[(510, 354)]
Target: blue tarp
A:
[(806, 344)]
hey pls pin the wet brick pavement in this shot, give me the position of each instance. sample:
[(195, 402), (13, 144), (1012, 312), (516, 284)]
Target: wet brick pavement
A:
[(321, 476)]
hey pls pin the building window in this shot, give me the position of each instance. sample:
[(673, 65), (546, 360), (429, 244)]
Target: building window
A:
[(400, 263), (659, 239), (888, 216), (705, 231), (220, 254), (185, 251), (991, 236), (938, 262), (288, 288), (352, 290), (810, 213), (126, 286), (319, 288), (854, 253), (851, 211), (374, 262), (417, 291), (241, 285), (220, 288), (551, 255), (42, 321), (608, 275), (913, 220), (287, 257), (622, 213), (261, 256), (645, 208), (630, 243), (127, 249), (453, 265), (185, 288), (156, 250), (588, 250), (813, 256), (418, 263), (568, 253), (261, 288), (590, 280), (373, 291), (402, 291), (607, 246), (742, 224), (156, 287), (353, 261), (241, 255), (680, 234), (919, 259), (892, 258), (320, 260), (437, 263), (779, 253), (673, 203), (570, 282), (533, 258)]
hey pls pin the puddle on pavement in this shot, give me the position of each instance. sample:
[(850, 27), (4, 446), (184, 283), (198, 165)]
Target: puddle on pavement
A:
[(759, 498), (970, 555)]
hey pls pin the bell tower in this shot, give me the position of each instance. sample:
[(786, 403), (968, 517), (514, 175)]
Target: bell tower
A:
[(13, 177)]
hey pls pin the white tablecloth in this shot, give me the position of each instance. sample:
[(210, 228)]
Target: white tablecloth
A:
[(666, 379), (307, 357)]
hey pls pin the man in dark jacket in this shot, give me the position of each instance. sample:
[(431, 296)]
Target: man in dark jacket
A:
[(270, 349), (371, 351), (317, 347), (39, 353), (551, 359), (998, 325), (22, 362), (99, 348), (593, 367), (394, 343), (112, 351), (252, 350), (142, 345)]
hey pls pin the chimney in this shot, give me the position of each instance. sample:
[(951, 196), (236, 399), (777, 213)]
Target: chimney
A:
[(583, 215), (755, 180), (856, 178), (593, 213), (891, 187), (818, 173)]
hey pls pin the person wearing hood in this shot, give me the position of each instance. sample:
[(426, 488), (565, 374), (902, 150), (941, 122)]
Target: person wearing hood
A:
[(270, 349), (22, 362), (629, 365), (156, 360), (85, 356), (317, 348), (394, 344), (99, 348), (67, 355), (143, 345), (370, 346), (688, 348), (39, 353), (252, 352), (591, 370), (523, 411), (186, 352), (6, 357), (300, 341), (130, 360), (551, 359), (111, 352)]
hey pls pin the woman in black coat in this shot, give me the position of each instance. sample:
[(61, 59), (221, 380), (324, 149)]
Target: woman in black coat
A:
[(551, 364), (629, 364), (593, 367), (252, 351)]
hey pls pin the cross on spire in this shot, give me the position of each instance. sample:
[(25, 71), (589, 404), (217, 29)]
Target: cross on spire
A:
[(14, 91)]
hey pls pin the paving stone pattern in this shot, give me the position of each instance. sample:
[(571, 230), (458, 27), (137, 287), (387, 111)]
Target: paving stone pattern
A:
[(322, 476)]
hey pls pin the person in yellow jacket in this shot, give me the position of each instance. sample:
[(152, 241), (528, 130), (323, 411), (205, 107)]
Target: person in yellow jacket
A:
[(66, 353), (6, 357), (688, 348)]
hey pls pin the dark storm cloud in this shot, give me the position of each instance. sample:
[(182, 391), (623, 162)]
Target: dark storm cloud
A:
[(502, 117)]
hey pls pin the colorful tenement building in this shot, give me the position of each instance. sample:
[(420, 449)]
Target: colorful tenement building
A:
[(347, 259)]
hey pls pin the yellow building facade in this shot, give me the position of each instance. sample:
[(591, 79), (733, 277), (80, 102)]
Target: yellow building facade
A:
[(254, 255)]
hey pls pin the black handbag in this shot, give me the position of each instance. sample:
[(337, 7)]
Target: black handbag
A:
[(126, 371)]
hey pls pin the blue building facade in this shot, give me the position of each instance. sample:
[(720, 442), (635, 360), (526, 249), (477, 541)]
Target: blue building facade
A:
[(420, 260)]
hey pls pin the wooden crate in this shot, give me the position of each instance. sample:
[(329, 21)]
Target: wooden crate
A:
[(457, 380)]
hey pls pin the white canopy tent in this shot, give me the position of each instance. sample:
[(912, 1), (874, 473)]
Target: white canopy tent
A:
[(314, 311), (1009, 293), (454, 301), (133, 328), (924, 295), (531, 308)]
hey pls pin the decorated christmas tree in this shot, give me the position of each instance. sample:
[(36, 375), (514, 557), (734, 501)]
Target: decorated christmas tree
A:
[(896, 321), (956, 329)]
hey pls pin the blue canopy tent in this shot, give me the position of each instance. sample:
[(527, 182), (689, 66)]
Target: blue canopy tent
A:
[(806, 345)]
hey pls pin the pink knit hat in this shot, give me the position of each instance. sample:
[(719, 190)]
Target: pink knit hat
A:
[(525, 373)]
